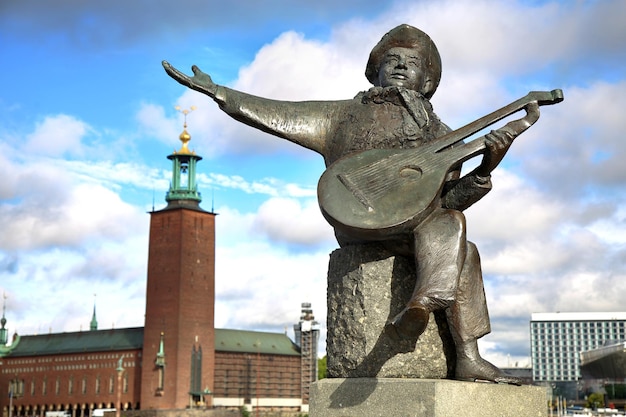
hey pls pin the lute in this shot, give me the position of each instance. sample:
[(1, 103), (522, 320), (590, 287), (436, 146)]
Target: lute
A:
[(381, 193)]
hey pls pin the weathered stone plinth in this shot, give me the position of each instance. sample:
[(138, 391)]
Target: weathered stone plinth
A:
[(367, 285), (371, 397)]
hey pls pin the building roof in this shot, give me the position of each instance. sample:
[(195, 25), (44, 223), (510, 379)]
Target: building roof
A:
[(78, 342), (589, 356), (226, 340), (604, 362), (579, 316)]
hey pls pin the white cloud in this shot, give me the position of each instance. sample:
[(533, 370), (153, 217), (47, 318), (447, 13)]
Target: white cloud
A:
[(156, 124), (294, 68), (56, 136), (514, 210), (577, 146), (54, 202), (88, 210), (287, 220), (550, 233), (258, 285), (118, 176)]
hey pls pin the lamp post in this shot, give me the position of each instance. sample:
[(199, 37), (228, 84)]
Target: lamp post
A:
[(14, 391), (11, 399), (120, 372), (552, 386), (258, 368)]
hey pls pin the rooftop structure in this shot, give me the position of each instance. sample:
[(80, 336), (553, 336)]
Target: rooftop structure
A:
[(606, 362)]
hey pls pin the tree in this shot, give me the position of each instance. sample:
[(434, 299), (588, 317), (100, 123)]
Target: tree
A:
[(595, 400), (321, 368)]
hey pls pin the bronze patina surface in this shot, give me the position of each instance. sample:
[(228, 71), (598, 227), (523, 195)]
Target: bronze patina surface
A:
[(393, 176)]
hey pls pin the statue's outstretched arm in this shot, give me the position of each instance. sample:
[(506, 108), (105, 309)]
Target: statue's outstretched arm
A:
[(305, 123), (200, 81)]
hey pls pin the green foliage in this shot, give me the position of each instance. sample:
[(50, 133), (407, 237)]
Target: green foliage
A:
[(321, 368), (595, 400), (615, 390), (244, 412)]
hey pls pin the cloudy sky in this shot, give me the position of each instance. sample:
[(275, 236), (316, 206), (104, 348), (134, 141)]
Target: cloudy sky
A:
[(87, 119)]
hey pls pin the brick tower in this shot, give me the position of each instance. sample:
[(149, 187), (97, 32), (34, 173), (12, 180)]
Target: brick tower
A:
[(178, 348)]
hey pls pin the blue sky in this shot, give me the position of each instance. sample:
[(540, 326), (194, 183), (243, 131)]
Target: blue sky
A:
[(87, 119)]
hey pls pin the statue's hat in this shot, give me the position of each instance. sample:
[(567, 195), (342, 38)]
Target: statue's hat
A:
[(407, 36)]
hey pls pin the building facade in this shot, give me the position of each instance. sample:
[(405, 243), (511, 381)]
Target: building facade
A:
[(179, 335), (76, 372), (307, 333), (254, 369), (557, 339), (80, 372), (178, 360)]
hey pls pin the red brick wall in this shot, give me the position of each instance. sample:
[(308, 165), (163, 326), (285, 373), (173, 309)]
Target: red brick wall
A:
[(236, 375), (179, 302), (47, 386)]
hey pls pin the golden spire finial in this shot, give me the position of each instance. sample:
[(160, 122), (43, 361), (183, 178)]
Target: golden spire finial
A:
[(185, 137)]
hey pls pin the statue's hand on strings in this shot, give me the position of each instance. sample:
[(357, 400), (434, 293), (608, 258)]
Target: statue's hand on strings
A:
[(200, 81), (497, 143)]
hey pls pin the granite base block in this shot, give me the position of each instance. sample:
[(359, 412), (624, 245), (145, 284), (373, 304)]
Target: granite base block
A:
[(391, 397), (367, 286)]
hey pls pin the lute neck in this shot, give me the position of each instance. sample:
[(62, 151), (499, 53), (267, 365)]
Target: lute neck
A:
[(539, 97)]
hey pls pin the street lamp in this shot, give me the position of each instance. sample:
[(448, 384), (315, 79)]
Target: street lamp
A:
[(11, 399), (258, 368), (120, 372), (15, 390)]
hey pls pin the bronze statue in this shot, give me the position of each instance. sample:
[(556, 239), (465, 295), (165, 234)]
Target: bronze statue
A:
[(394, 176)]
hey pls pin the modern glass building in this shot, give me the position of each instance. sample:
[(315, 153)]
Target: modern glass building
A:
[(558, 338)]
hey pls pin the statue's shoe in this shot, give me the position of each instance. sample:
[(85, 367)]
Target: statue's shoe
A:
[(410, 323), (483, 371)]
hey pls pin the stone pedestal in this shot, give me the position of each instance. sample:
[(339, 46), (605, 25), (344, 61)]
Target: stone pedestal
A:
[(368, 285), (372, 397)]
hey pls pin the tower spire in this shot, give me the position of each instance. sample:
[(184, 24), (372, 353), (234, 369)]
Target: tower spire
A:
[(183, 188), (93, 325), (4, 333)]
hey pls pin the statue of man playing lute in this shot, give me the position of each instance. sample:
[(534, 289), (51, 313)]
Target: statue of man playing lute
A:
[(393, 176)]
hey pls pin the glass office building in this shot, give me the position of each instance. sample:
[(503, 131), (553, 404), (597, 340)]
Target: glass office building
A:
[(558, 338)]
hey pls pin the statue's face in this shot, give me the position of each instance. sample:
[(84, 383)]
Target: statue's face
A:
[(402, 67)]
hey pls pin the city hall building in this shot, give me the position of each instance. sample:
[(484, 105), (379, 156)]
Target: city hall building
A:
[(178, 360)]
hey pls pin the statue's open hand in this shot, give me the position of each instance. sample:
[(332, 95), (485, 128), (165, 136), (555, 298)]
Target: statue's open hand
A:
[(200, 81), (497, 143)]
